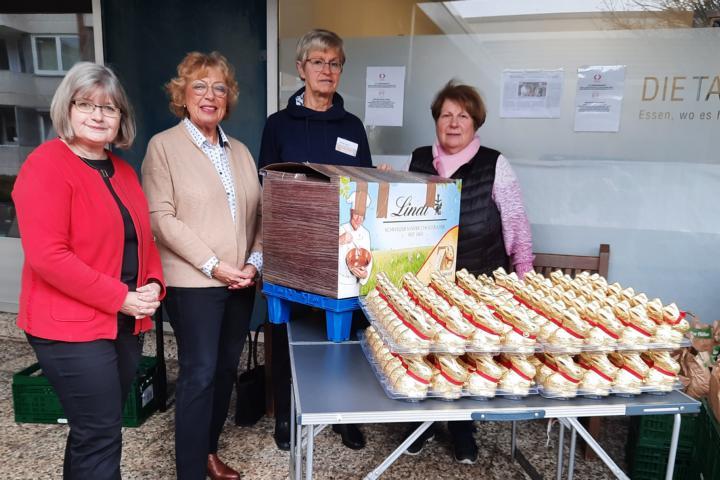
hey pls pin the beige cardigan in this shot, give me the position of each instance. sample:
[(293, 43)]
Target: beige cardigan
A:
[(189, 210)]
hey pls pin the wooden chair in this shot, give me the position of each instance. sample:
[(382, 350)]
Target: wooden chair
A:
[(572, 265)]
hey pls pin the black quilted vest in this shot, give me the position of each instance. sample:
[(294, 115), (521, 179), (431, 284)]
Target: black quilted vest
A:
[(481, 248)]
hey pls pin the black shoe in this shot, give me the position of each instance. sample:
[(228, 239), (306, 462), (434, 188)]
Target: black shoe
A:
[(417, 446), (282, 434), (351, 435), (464, 448)]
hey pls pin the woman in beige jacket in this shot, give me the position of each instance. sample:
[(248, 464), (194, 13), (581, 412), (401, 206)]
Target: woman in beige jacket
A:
[(204, 196)]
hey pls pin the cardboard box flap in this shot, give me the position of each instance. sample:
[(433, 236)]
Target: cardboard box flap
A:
[(332, 173)]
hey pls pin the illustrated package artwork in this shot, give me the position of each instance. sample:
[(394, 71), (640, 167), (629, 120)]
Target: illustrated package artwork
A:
[(395, 228)]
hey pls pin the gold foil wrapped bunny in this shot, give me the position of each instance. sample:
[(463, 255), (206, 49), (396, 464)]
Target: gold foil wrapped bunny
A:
[(599, 373)]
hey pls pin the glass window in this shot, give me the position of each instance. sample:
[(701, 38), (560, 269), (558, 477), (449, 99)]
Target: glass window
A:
[(47, 58), (69, 51), (47, 132), (645, 182), (55, 55)]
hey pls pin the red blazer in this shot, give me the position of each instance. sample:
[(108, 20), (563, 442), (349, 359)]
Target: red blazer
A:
[(73, 236)]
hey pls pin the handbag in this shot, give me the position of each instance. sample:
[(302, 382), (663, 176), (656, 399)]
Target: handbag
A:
[(250, 388)]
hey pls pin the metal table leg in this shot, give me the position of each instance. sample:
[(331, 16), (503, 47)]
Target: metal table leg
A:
[(310, 437), (397, 452), (293, 421), (571, 460), (571, 422), (298, 452), (517, 455), (512, 439), (561, 448), (673, 447)]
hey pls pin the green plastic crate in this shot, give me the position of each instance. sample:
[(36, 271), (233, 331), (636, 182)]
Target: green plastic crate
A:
[(648, 446), (650, 462), (707, 451), (35, 400), (657, 429)]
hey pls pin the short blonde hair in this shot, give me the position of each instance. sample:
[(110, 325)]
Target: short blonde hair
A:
[(319, 39), (85, 78), (193, 66)]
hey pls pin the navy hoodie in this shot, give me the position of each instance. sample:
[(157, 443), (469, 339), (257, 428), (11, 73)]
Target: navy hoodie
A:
[(299, 134)]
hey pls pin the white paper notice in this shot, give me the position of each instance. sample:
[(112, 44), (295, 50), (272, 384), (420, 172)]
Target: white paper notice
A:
[(384, 94), (531, 93), (598, 100)]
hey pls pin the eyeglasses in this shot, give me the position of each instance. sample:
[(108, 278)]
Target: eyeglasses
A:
[(317, 65), (84, 106), (200, 88)]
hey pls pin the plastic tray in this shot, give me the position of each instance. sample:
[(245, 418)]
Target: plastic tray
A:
[(618, 347), (431, 394), (387, 388), (434, 347)]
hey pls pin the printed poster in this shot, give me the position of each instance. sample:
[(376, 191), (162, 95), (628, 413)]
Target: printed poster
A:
[(531, 93), (384, 95), (599, 96)]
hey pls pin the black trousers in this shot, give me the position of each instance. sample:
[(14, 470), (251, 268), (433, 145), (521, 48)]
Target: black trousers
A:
[(456, 428), (210, 326), (92, 380)]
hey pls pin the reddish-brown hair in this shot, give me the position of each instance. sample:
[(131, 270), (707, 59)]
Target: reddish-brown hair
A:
[(193, 66), (465, 96)]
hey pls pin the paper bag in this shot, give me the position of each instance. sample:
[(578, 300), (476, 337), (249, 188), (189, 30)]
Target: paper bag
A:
[(694, 375), (714, 395)]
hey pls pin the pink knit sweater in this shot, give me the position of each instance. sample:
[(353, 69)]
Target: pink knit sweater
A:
[(515, 225)]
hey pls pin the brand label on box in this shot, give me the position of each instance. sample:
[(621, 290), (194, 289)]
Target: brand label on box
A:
[(395, 228)]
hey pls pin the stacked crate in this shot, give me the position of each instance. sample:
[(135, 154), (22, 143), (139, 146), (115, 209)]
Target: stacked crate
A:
[(35, 400), (707, 446), (648, 446)]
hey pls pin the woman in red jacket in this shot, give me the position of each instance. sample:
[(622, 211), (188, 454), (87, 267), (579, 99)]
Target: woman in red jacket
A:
[(92, 275)]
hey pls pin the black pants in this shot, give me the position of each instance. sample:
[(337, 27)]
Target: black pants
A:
[(457, 428), (210, 326), (92, 380)]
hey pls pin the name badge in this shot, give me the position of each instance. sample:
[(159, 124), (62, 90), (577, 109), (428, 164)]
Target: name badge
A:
[(346, 146)]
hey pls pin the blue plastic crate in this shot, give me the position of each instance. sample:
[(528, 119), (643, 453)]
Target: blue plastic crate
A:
[(338, 312)]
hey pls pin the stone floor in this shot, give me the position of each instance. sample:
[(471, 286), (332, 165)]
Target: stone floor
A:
[(32, 451)]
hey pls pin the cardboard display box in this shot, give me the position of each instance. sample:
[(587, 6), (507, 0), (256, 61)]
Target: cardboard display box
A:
[(328, 229)]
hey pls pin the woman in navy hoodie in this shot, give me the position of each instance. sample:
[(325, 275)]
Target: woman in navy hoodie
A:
[(313, 128)]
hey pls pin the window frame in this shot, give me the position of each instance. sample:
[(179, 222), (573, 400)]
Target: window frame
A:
[(12, 144), (58, 53)]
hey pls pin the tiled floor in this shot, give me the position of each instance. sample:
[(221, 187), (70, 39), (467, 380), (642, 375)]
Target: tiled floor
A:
[(30, 451)]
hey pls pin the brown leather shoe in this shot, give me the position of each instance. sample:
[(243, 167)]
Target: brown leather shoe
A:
[(217, 470)]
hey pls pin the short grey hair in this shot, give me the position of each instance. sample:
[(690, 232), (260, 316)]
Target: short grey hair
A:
[(319, 39), (84, 78)]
